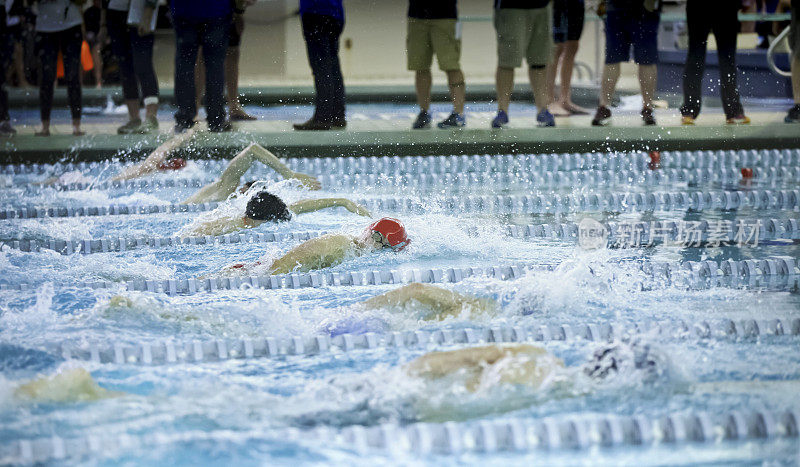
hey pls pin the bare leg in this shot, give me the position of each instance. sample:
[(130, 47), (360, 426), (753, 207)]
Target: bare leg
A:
[(608, 83), (567, 67), (232, 84), (538, 79), (796, 79), (423, 82), (647, 83), (45, 129), (504, 83), (98, 66), (552, 69), (76, 127), (455, 80), (133, 109)]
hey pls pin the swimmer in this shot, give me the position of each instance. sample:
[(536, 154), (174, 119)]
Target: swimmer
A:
[(157, 160), (436, 303), (529, 365), (228, 182), (330, 250), (71, 385), (264, 207)]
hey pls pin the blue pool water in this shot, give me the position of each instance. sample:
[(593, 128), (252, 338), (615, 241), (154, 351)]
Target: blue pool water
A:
[(294, 371)]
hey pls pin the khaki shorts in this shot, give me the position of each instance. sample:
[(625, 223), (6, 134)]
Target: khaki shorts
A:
[(433, 36), (794, 33), (524, 32)]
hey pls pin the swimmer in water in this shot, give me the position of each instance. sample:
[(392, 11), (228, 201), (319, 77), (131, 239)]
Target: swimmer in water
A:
[(533, 366), (264, 207), (436, 303), (330, 250), (70, 385)]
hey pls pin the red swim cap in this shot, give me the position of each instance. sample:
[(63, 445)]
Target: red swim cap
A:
[(747, 172), (173, 164), (393, 233)]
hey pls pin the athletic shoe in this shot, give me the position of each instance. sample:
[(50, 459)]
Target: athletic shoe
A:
[(602, 117), (501, 120), (455, 120), (423, 121), (6, 129), (313, 124), (129, 127), (647, 116), (740, 119), (687, 120), (794, 115), (149, 125), (545, 119)]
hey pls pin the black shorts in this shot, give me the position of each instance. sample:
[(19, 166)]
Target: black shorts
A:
[(568, 18), (234, 38)]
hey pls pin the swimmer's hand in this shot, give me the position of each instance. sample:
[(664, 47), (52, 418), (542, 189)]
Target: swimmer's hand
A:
[(307, 180), (356, 208)]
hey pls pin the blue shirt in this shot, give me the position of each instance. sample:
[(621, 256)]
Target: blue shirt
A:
[(332, 8), (203, 9)]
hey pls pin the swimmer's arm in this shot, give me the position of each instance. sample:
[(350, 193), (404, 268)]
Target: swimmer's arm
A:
[(230, 178), (156, 157), (438, 364), (313, 205), (443, 302), (317, 253), (272, 161), (216, 227)]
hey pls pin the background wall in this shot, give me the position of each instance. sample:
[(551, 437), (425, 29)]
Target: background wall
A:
[(372, 46)]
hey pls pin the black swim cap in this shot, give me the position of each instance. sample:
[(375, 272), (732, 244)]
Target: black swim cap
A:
[(264, 206)]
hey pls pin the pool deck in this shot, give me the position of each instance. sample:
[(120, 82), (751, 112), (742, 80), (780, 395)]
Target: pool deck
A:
[(384, 130)]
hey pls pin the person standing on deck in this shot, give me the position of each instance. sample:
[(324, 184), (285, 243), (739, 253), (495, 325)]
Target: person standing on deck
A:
[(433, 28), (702, 18), (5, 120), (524, 28), (629, 23), (568, 17), (203, 23), (58, 29), (323, 23), (794, 41)]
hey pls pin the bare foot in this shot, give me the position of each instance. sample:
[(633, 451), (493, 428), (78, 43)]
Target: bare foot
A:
[(77, 132), (557, 110), (574, 109), (43, 132), (241, 115)]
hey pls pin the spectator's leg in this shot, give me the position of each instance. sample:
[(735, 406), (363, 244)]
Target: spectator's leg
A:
[(215, 43), (567, 68), (186, 44), (645, 50), (142, 47), (455, 81), (19, 62), (726, 28), (538, 78), (608, 83), (71, 41), (796, 78), (648, 75), (4, 116), (504, 83), (322, 44), (699, 27), (121, 47), (552, 71), (423, 83), (47, 49)]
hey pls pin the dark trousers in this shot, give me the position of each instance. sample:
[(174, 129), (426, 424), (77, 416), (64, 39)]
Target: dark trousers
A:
[(135, 56), (5, 58), (48, 45), (190, 34), (702, 18), (322, 44)]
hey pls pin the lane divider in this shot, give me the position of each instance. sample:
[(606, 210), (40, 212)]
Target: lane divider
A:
[(784, 200), (625, 234), (571, 432), (553, 434), (119, 244), (172, 352), (775, 272), (481, 162), (534, 179)]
